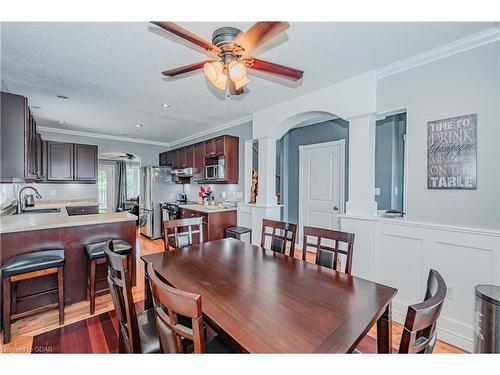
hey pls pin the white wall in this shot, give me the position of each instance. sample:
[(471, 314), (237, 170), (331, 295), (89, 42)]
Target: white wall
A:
[(455, 232), (458, 85)]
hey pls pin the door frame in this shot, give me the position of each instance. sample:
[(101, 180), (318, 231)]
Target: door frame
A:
[(302, 148), (110, 189)]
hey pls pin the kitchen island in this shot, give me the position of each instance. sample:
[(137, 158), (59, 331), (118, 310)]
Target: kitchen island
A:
[(215, 219), (30, 232)]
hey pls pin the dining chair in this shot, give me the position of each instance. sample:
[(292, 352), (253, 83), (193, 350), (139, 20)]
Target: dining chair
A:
[(181, 232), (282, 232), (172, 307), (420, 334), (327, 256), (136, 332)]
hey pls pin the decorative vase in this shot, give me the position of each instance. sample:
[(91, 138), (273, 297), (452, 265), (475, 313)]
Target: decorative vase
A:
[(205, 201)]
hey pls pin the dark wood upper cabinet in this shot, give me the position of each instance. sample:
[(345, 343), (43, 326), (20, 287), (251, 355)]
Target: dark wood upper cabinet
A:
[(205, 153), (13, 124), (199, 160), (59, 161), (219, 145), (175, 159), (85, 157), (163, 159), (182, 157), (214, 147), (170, 158), (189, 153)]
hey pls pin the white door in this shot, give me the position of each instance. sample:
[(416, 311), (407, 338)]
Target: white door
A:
[(106, 188), (321, 185)]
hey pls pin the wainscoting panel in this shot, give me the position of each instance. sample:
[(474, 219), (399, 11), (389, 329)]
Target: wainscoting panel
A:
[(403, 253)]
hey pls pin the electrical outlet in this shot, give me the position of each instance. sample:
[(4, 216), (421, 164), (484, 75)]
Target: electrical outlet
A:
[(377, 191), (239, 195), (450, 292), (52, 193)]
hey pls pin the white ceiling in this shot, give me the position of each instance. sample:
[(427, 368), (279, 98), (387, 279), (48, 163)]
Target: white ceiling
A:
[(111, 71)]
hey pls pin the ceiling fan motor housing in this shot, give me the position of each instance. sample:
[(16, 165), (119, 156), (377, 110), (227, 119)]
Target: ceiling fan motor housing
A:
[(223, 38)]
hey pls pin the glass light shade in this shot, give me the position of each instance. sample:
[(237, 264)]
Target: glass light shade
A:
[(221, 81), (242, 82), (237, 71), (213, 70)]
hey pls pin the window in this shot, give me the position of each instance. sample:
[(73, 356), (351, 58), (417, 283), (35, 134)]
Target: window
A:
[(132, 181)]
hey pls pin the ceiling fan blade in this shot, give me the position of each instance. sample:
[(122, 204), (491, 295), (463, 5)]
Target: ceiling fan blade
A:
[(185, 68), (259, 33), (232, 88), (187, 35), (273, 68)]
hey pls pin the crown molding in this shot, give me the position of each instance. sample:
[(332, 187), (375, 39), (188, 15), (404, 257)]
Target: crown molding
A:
[(473, 41), (102, 136), (224, 126)]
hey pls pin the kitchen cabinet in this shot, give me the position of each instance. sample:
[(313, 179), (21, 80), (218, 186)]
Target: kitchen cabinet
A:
[(170, 158), (182, 157), (69, 162), (214, 146), (163, 159), (214, 223), (199, 160), (188, 156), (175, 159), (19, 157), (60, 161), (85, 159)]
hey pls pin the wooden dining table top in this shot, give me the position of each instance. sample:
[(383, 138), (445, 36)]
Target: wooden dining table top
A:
[(272, 303)]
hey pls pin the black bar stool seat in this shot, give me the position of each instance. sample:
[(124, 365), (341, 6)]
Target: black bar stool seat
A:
[(236, 232), (96, 250), (30, 262), (24, 267), (95, 256)]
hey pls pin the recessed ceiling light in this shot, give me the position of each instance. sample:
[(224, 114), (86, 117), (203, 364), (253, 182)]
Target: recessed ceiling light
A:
[(165, 105), (35, 107), (139, 125), (124, 134), (61, 122), (62, 96)]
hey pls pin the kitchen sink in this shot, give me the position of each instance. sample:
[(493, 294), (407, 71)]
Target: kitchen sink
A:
[(41, 211)]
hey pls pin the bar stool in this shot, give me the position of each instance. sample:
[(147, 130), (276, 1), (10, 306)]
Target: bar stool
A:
[(96, 256), (24, 267), (236, 232)]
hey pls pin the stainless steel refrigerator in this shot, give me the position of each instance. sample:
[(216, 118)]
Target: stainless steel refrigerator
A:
[(157, 186)]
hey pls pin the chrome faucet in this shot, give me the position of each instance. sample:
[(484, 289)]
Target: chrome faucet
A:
[(20, 204)]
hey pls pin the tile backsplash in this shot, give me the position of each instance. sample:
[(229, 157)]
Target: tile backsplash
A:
[(50, 192)]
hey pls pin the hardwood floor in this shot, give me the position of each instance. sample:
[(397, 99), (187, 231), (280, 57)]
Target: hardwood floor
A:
[(83, 333)]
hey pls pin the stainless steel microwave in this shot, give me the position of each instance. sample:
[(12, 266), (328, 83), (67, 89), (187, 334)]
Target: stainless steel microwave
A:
[(214, 172)]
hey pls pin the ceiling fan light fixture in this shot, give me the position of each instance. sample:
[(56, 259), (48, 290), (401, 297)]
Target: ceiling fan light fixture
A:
[(237, 71), (220, 82), (213, 70), (242, 82)]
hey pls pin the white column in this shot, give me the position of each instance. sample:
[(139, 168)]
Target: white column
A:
[(361, 166), (266, 188)]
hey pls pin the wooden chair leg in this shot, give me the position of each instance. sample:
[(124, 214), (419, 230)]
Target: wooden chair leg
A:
[(92, 286), (60, 293), (6, 303)]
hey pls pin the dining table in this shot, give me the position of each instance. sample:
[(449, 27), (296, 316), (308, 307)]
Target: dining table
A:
[(268, 302)]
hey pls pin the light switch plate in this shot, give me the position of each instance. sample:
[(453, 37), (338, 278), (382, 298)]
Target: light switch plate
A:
[(377, 191)]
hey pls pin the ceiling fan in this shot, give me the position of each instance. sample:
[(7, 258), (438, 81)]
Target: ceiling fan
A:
[(231, 49)]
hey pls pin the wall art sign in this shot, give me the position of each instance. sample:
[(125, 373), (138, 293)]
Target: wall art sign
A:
[(452, 153)]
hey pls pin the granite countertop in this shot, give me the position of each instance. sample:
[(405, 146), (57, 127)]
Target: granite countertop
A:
[(39, 221), (207, 209)]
